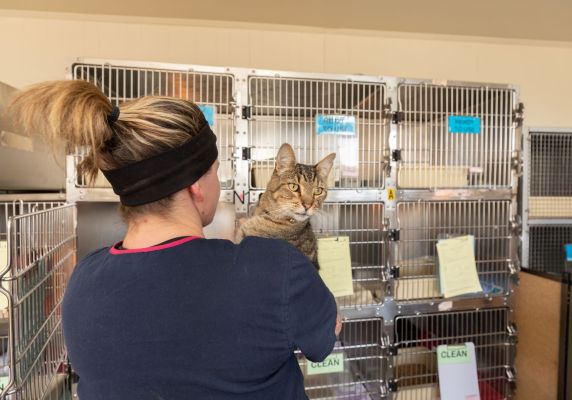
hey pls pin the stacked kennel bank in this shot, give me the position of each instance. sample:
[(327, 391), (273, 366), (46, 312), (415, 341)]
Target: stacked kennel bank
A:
[(400, 182)]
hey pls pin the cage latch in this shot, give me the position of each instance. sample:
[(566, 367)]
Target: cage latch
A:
[(246, 153), (394, 272), (393, 235), (397, 117), (516, 225), (392, 386), (511, 375), (396, 155), (246, 112), (512, 268), (511, 329), (518, 114), (517, 163)]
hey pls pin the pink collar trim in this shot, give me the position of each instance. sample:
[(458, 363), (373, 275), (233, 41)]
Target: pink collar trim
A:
[(115, 250)]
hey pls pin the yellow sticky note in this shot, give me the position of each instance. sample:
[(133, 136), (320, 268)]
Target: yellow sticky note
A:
[(457, 267), (336, 265)]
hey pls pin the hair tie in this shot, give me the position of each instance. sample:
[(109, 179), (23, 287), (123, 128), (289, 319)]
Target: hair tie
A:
[(113, 116)]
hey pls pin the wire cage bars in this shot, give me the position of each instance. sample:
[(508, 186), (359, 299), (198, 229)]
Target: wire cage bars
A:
[(546, 248), (550, 176), (290, 110), (414, 363), (40, 246), (455, 136), (355, 367), (363, 223), (212, 91), (422, 224)]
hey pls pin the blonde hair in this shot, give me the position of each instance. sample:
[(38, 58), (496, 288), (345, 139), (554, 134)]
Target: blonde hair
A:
[(75, 113)]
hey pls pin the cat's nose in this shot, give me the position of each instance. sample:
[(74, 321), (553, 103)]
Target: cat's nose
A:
[(306, 206)]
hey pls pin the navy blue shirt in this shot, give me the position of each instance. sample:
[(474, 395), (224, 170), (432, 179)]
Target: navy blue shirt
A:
[(196, 319)]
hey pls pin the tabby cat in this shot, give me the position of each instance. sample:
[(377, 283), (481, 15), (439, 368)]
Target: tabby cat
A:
[(294, 193)]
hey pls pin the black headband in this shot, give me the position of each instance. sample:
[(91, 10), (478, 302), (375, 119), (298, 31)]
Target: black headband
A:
[(157, 177)]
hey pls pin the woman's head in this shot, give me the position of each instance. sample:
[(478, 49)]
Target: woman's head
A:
[(76, 112)]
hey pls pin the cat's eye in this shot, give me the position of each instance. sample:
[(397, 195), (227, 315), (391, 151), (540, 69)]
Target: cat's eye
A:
[(318, 191), (293, 187)]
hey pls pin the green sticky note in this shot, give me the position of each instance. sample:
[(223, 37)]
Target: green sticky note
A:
[(4, 380), (332, 363), (458, 354)]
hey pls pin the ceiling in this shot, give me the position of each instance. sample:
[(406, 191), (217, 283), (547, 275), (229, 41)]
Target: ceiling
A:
[(514, 19)]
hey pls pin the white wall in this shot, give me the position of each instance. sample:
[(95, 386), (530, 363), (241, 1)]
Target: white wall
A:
[(39, 46)]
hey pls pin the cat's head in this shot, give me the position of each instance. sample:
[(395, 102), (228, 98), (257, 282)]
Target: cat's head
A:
[(297, 191)]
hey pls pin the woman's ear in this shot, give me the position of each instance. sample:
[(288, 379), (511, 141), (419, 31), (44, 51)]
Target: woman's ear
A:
[(196, 191)]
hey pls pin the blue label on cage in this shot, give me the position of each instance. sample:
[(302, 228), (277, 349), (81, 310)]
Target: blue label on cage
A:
[(209, 112), (335, 125), (464, 124), (568, 249)]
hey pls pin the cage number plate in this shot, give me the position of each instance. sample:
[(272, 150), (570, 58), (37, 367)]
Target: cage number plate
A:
[(464, 124), (335, 125), (332, 363)]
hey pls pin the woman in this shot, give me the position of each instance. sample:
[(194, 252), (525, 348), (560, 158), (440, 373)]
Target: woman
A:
[(166, 313)]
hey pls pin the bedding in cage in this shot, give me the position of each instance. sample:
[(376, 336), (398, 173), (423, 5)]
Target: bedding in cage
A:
[(455, 136), (354, 369), (423, 224), (413, 363), (550, 175), (318, 117), (39, 239), (212, 91), (363, 223)]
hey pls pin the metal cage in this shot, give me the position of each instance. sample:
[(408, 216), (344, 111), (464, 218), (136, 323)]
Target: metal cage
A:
[(422, 224), (362, 365), (286, 109), (550, 175), (363, 223), (546, 248), (416, 337), (212, 91), (40, 248), (436, 153)]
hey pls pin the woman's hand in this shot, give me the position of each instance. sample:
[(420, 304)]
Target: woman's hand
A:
[(338, 325)]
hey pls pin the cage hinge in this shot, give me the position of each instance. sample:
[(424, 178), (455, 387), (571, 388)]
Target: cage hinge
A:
[(518, 114), (393, 235), (246, 153), (246, 112), (511, 374), (397, 117), (396, 155)]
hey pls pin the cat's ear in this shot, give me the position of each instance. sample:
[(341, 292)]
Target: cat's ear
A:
[(285, 159), (324, 167)]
